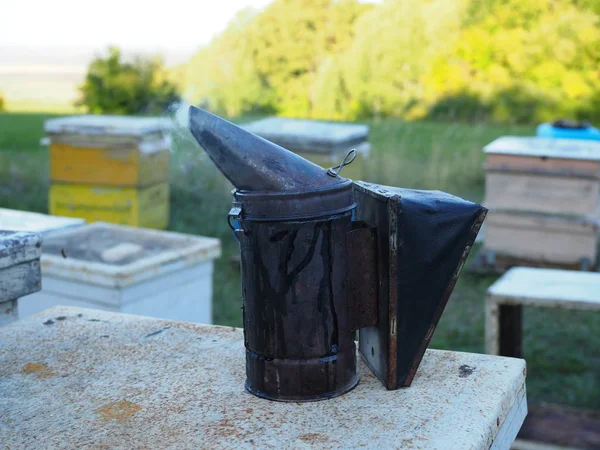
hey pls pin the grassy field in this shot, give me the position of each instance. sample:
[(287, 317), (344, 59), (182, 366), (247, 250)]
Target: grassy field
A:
[(561, 347)]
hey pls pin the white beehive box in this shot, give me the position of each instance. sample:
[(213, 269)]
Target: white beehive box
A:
[(46, 225), (130, 270), (103, 129), (324, 143)]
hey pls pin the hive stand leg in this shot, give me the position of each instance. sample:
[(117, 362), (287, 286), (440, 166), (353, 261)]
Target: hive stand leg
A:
[(511, 330), (491, 326)]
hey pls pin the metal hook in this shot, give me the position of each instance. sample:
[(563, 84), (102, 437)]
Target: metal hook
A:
[(335, 170)]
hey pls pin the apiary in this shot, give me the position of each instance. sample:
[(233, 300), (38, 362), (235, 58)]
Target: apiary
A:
[(323, 143), (125, 269), (110, 168), (544, 199)]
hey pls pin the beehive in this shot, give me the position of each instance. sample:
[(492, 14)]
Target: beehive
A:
[(110, 168), (146, 207), (324, 143), (119, 268), (544, 200)]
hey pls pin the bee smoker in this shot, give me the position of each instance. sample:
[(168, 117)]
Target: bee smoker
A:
[(323, 256)]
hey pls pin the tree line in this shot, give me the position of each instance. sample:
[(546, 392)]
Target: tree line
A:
[(502, 60), (520, 61)]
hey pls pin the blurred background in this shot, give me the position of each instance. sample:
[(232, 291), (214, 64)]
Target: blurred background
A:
[(435, 80)]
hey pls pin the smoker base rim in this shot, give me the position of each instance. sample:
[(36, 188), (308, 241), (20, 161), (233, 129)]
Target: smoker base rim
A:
[(327, 396)]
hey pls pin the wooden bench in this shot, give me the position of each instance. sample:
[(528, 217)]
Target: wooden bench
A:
[(546, 288), (523, 286)]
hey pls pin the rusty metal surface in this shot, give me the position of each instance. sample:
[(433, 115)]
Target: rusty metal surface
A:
[(291, 218), (374, 342), (299, 342), (252, 163), (274, 206), (92, 379), (310, 279), (361, 276), (426, 237)]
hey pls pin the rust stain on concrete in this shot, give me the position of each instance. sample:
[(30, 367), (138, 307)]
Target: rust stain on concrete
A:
[(314, 437), (42, 370), (120, 410)]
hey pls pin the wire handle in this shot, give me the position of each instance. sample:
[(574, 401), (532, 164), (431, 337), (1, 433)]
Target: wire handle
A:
[(335, 170)]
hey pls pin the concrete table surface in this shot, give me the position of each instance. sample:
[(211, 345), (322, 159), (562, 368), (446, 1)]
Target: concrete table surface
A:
[(73, 378)]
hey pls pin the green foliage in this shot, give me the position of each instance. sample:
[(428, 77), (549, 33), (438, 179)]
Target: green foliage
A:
[(223, 76), (2, 103), (117, 87), (271, 61), (525, 61), (393, 51), (503, 60)]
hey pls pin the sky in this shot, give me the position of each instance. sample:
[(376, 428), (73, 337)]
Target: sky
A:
[(177, 27)]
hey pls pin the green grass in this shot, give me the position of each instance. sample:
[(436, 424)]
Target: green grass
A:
[(561, 347)]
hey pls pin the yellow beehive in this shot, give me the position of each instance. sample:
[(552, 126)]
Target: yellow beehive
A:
[(113, 166), (110, 168), (146, 207)]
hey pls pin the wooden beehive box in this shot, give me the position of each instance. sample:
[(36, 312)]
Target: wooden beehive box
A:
[(556, 176), (544, 199), (146, 207), (109, 150), (118, 268), (546, 239), (110, 168)]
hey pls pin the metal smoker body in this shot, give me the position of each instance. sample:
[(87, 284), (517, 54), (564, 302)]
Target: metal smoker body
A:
[(323, 257)]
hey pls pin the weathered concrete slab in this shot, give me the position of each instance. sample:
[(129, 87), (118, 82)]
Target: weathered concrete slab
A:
[(82, 378), (14, 220), (309, 135)]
